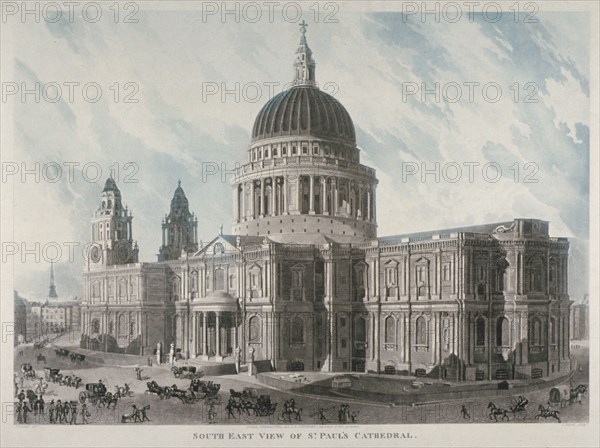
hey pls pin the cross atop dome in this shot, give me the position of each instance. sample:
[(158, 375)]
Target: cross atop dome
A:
[(304, 66)]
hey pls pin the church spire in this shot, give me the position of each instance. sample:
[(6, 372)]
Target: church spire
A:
[(304, 66), (52, 291)]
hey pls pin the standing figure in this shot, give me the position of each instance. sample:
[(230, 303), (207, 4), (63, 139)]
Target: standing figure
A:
[(237, 359), (25, 409), (19, 409), (212, 414), (51, 411), (84, 414), (73, 420), (158, 352), (251, 370), (172, 354)]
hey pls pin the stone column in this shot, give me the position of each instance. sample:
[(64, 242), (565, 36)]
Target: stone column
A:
[(262, 198), (374, 204), (311, 199), (285, 195), (359, 208), (194, 339), (369, 204), (218, 334), (204, 334), (299, 194), (335, 205), (324, 195), (243, 211), (273, 195), (252, 200)]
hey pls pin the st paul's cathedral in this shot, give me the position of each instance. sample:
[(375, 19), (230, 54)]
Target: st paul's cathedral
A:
[(304, 282)]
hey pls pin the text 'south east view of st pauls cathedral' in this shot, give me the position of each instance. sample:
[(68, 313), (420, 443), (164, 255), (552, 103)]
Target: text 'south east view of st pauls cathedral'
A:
[(304, 308)]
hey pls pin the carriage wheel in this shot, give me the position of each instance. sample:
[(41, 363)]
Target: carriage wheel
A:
[(82, 397)]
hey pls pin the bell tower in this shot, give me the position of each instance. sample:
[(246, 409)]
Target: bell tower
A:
[(112, 234), (179, 228)]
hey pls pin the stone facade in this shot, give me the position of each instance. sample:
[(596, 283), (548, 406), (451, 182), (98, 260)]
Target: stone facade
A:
[(304, 283)]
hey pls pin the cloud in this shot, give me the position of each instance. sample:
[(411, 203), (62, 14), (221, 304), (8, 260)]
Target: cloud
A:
[(175, 128)]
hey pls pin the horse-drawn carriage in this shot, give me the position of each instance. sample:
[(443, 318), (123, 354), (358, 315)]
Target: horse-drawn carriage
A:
[(560, 395), (61, 352), (166, 392), (77, 358), (94, 392), (51, 374), (186, 372), (208, 388), (40, 344), (264, 406), (28, 371)]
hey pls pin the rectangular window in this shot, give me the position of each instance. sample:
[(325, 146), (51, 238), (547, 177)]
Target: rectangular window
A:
[(343, 343), (304, 150), (342, 321)]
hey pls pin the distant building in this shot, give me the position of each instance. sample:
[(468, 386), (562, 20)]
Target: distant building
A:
[(35, 320), (579, 321)]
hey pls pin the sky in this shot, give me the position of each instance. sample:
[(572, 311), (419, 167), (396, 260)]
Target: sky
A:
[(531, 120)]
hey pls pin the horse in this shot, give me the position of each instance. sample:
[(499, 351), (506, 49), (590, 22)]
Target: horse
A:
[(108, 399), (496, 411), (288, 411), (547, 413), (124, 391)]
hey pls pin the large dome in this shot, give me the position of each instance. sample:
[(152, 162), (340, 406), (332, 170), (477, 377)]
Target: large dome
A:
[(304, 110)]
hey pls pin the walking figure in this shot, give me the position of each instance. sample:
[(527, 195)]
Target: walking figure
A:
[(464, 411), (230, 408), (73, 420), (322, 417), (143, 412)]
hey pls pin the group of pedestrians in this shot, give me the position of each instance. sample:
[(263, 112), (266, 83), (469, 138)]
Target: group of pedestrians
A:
[(66, 412)]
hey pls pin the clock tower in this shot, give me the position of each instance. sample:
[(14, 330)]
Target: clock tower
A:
[(112, 235)]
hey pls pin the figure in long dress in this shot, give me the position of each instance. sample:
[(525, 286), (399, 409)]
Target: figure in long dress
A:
[(237, 359), (172, 354), (251, 370)]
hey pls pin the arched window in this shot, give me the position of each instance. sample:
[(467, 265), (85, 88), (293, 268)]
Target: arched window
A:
[(390, 330), (480, 332), (219, 279), (502, 332), (296, 331), (175, 289), (421, 331), (535, 332), (254, 329)]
